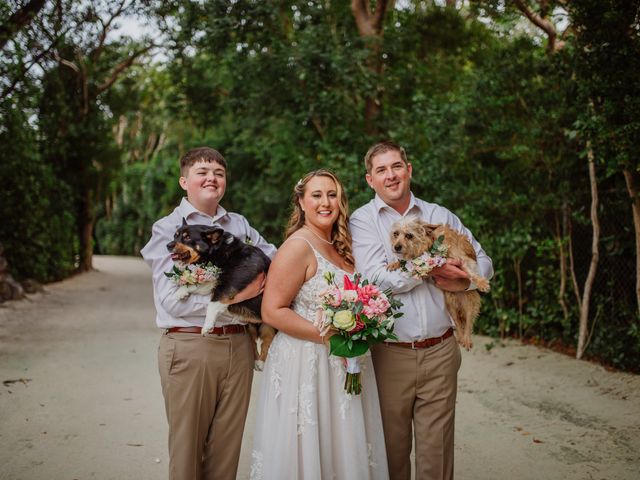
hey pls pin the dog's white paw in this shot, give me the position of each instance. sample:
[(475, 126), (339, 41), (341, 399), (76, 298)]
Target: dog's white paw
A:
[(483, 285), (258, 366)]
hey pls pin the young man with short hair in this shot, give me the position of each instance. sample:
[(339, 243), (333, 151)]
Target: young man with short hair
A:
[(206, 380), (417, 375)]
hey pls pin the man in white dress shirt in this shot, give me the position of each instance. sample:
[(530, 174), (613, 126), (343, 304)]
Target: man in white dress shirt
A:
[(417, 376), (206, 380)]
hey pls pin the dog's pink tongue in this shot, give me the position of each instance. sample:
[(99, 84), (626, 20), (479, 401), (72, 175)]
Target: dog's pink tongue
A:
[(175, 256)]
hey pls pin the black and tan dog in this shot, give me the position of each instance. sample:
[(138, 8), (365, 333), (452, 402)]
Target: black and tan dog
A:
[(239, 263)]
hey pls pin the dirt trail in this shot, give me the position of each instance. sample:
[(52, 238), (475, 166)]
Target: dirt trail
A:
[(81, 396)]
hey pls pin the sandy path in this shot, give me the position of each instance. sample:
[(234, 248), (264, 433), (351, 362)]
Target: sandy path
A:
[(91, 407)]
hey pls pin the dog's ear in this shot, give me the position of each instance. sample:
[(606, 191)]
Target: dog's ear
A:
[(213, 234), (428, 228), (184, 222)]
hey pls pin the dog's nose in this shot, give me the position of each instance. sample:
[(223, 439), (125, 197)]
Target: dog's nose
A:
[(171, 245), (397, 248)]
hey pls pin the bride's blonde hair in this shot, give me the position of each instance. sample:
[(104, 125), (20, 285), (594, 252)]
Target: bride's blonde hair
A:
[(340, 234)]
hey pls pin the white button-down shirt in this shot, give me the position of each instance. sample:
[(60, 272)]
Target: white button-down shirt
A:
[(191, 311), (425, 314)]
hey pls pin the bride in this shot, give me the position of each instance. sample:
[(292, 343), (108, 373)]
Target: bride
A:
[(307, 426)]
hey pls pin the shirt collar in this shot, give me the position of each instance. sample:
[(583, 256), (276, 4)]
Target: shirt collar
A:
[(186, 210), (380, 204)]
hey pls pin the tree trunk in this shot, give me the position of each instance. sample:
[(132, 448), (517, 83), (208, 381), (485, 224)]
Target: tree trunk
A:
[(541, 21), (370, 29), (631, 178), (593, 267), (86, 222), (572, 268), (518, 271), (561, 234)]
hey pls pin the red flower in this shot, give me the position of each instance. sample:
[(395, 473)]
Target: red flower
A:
[(348, 284), (359, 325)]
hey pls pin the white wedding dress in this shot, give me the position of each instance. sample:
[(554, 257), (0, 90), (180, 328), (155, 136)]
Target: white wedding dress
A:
[(307, 427)]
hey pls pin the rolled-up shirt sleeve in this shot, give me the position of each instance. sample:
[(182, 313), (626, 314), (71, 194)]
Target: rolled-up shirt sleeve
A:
[(371, 259)]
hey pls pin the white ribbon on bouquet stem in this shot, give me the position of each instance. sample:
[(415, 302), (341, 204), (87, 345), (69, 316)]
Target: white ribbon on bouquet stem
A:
[(352, 365)]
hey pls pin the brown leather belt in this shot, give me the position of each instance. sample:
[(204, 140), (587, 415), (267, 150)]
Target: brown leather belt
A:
[(226, 330), (426, 343)]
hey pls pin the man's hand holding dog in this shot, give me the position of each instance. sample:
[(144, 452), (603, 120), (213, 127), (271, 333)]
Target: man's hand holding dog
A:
[(255, 288), (450, 276)]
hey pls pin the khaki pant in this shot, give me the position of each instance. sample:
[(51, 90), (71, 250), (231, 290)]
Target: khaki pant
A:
[(418, 389), (206, 383)]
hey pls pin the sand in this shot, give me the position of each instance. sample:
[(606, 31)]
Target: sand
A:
[(81, 395)]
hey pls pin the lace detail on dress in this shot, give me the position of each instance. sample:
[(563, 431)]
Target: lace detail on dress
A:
[(306, 391), (281, 353), (372, 462), (256, 465), (303, 409)]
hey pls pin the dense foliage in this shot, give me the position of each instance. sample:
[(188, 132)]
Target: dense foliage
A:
[(497, 125)]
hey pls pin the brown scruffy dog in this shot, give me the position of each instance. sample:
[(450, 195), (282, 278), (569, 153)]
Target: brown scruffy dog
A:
[(411, 237)]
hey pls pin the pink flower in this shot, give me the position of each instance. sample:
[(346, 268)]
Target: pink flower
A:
[(366, 292), (376, 306), (332, 297)]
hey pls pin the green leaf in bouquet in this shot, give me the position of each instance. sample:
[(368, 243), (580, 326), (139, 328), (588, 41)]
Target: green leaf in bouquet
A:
[(339, 347), (168, 274), (374, 333)]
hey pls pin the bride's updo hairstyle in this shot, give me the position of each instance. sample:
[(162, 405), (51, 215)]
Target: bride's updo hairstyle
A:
[(340, 235)]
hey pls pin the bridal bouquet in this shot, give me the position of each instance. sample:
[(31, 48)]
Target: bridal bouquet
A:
[(194, 278), (362, 315), (421, 266)]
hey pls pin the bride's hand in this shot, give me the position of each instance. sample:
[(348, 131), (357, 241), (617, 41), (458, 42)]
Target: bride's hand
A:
[(327, 336)]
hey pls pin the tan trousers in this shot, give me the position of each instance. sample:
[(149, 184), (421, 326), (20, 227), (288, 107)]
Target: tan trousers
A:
[(206, 383), (419, 387)]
